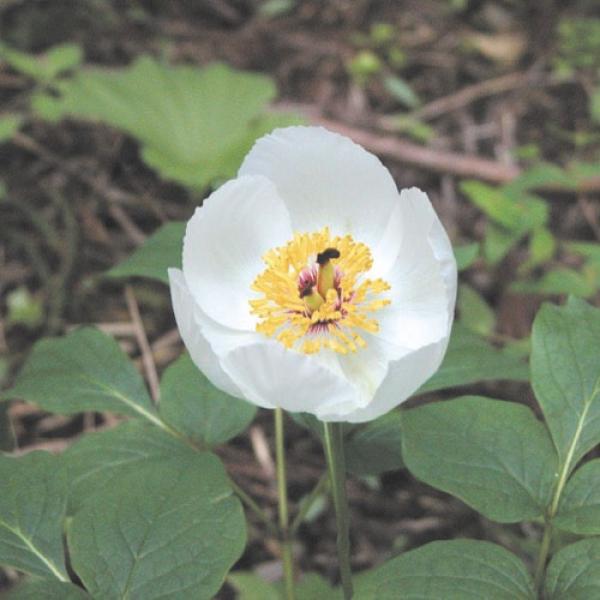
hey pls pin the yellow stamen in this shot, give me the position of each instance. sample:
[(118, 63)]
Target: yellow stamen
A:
[(313, 294)]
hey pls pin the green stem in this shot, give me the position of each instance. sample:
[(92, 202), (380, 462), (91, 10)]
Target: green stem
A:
[(254, 507), (286, 541), (540, 566), (308, 502), (334, 452)]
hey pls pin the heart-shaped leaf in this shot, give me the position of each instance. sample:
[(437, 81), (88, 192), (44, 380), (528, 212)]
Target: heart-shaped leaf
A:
[(494, 455), (32, 508), (565, 373), (574, 572)]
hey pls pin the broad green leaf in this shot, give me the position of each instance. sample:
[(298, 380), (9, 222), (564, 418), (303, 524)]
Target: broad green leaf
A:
[(194, 407), (449, 570), (579, 508), (32, 509), (94, 460), (9, 125), (516, 212), (62, 58), (475, 313), (47, 589), (375, 447), (194, 124), (470, 359), (83, 371), (152, 259), (565, 372), (167, 529), (574, 572), (494, 455), (466, 255)]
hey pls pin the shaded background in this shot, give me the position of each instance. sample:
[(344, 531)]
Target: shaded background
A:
[(491, 107)]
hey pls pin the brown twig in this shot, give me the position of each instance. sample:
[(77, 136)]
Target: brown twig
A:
[(144, 346)]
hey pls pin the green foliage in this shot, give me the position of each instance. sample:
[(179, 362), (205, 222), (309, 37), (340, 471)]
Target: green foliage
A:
[(476, 314), (401, 91), (47, 589), (578, 46), (466, 255), (23, 308), (574, 572), (195, 124), (494, 455), (160, 251), (82, 371), (470, 359), (44, 67), (93, 461), (9, 125), (375, 447), (565, 375), (579, 509), (452, 570), (160, 530), (252, 587), (194, 407), (32, 508)]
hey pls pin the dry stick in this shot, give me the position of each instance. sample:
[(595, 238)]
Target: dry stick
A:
[(142, 340), (438, 161)]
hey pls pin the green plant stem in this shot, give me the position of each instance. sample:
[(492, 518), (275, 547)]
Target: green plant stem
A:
[(543, 555), (254, 507), (286, 541), (334, 452), (308, 503)]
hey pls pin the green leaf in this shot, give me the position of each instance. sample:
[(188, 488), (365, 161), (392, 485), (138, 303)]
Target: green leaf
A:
[(93, 461), (498, 242), (43, 67), (516, 212), (250, 586), (565, 372), (452, 570), (542, 246), (542, 174), (194, 124), (47, 589), (559, 281), (166, 529), (470, 359), (494, 455), (589, 250), (375, 447), (475, 313), (160, 251), (574, 572), (32, 508), (579, 508), (466, 255), (9, 125), (194, 407), (401, 91), (83, 371), (595, 105)]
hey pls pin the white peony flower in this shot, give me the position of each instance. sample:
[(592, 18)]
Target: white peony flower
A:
[(310, 283)]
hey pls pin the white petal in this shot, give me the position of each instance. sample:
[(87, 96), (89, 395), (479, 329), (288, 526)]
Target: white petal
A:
[(326, 179), (224, 244), (405, 377), (423, 277), (270, 375), (186, 312)]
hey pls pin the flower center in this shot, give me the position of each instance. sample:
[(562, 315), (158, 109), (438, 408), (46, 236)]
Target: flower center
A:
[(314, 293)]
